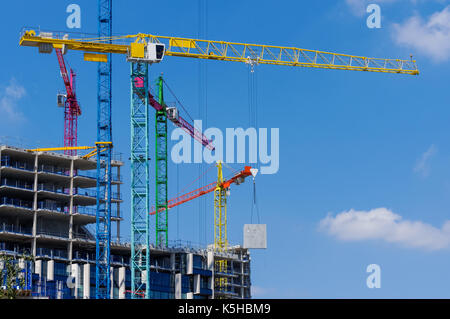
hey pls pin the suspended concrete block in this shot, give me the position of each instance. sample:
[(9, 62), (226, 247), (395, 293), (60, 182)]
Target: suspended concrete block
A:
[(255, 236)]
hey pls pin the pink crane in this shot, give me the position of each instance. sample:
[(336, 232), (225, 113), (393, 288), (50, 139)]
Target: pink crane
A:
[(71, 107)]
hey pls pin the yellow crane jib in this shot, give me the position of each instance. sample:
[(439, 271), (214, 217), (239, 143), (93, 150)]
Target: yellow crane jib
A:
[(102, 145), (152, 49), (53, 149)]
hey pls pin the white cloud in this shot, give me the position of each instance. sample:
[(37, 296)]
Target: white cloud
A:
[(9, 98), (422, 166), (430, 37), (383, 224)]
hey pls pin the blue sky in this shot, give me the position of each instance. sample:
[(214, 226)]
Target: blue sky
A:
[(350, 142)]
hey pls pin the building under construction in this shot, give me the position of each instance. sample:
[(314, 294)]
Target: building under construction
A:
[(47, 209)]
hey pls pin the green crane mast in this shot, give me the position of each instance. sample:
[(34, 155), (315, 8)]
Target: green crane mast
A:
[(162, 224)]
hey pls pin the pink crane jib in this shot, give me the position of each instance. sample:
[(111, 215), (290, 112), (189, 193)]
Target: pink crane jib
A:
[(175, 118)]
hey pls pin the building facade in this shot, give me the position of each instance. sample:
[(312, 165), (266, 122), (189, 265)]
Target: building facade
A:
[(47, 209)]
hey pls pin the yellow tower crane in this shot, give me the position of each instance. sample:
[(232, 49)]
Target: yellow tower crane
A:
[(152, 49), (220, 229), (147, 48)]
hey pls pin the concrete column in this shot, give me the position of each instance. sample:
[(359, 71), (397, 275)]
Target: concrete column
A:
[(144, 275), (35, 219), (59, 287), (70, 245), (38, 267), (189, 264), (210, 261), (122, 278), (210, 264), (197, 284), (172, 261), (111, 277), (51, 270), (21, 263), (75, 272), (178, 286), (86, 281)]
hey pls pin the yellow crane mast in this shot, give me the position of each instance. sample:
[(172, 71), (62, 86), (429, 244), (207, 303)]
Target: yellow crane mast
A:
[(220, 229)]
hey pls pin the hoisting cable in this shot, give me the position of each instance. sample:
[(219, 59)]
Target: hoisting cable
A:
[(203, 105), (198, 178), (230, 168), (255, 203), (178, 101), (252, 62)]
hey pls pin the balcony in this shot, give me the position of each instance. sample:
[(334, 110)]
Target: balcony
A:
[(83, 256), (90, 257), (6, 161), (52, 234), (93, 193), (51, 253), (160, 263), (55, 207), (84, 237), (115, 178), (17, 203), (123, 260), (52, 206), (85, 192), (13, 229), (92, 211), (15, 183), (64, 171), (14, 249)]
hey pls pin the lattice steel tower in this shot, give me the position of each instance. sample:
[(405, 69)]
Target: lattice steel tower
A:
[(140, 239), (162, 224), (104, 145)]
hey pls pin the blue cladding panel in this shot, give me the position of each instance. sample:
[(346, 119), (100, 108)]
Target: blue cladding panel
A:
[(203, 272)]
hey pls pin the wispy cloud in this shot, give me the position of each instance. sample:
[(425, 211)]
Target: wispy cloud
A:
[(430, 37), (383, 224), (422, 166), (260, 292), (9, 97)]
